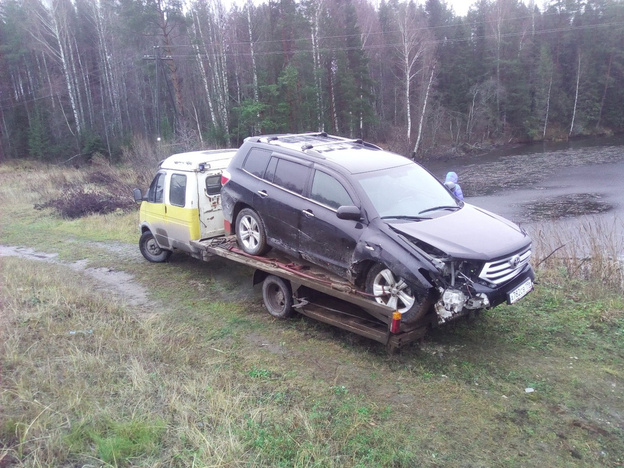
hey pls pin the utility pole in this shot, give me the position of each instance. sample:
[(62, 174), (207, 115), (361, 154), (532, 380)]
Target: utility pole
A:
[(157, 59)]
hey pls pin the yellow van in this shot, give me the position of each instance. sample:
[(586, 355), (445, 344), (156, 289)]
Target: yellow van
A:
[(183, 203)]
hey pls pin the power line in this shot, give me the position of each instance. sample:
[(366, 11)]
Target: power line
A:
[(613, 26)]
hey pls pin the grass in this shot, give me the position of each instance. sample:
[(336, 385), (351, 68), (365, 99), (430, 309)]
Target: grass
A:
[(203, 376)]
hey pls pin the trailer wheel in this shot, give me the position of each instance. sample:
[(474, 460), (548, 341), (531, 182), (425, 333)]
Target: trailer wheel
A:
[(151, 250), (277, 295), (392, 291)]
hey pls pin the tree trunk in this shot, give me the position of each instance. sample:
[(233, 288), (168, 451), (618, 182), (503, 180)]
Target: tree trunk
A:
[(254, 70), (424, 109), (407, 91), (578, 79), (547, 106), (200, 64), (332, 97), (316, 57)]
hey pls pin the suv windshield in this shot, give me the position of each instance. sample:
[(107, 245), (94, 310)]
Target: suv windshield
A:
[(406, 191)]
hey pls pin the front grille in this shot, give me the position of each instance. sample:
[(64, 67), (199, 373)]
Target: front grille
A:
[(500, 271)]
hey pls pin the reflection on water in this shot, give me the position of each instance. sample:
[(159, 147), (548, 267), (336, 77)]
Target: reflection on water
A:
[(565, 206), (525, 170)]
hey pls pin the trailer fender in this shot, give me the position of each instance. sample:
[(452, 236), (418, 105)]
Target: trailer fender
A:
[(259, 276)]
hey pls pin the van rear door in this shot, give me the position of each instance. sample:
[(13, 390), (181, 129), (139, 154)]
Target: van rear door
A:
[(210, 212)]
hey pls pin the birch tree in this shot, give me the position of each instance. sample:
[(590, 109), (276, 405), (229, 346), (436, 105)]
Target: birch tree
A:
[(51, 31), (410, 50)]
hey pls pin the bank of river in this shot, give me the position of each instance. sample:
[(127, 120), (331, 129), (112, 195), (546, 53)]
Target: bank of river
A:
[(572, 190)]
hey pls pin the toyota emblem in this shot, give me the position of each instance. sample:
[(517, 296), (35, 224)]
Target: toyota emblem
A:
[(514, 261)]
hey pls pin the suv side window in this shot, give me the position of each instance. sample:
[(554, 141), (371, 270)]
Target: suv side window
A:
[(256, 161), (328, 191), (290, 175), (177, 191), (270, 172), (156, 190)]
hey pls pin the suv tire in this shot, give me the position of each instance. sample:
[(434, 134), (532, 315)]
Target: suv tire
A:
[(250, 232), (392, 290)]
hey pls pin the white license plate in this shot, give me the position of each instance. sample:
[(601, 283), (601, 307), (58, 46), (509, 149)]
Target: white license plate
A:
[(521, 291)]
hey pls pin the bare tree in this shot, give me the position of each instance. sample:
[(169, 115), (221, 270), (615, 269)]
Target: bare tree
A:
[(314, 12), (51, 31), (410, 50), (424, 110), (576, 94)]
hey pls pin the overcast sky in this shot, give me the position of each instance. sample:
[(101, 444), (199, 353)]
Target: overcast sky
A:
[(460, 7)]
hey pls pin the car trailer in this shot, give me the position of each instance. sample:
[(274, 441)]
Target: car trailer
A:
[(289, 286)]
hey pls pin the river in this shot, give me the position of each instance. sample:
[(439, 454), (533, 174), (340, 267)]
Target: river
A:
[(572, 191)]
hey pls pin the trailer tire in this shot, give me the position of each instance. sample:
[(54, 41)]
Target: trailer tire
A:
[(393, 291), (151, 250), (277, 296), (250, 232)]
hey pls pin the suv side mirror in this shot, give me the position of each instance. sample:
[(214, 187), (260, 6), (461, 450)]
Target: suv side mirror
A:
[(349, 212), (138, 196), (450, 185)]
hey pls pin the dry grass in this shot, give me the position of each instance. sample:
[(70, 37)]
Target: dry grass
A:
[(73, 362), (592, 249)]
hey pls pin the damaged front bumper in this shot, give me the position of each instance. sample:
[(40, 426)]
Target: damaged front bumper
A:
[(455, 302)]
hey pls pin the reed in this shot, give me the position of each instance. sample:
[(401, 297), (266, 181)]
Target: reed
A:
[(590, 249)]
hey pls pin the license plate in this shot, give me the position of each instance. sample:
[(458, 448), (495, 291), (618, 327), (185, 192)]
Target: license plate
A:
[(521, 291)]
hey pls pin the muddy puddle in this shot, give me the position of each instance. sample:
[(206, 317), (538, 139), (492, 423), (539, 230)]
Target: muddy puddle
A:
[(107, 280)]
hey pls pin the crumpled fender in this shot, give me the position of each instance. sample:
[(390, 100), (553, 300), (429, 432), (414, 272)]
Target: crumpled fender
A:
[(400, 255)]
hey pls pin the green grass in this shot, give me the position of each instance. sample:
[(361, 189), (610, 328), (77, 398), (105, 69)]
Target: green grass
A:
[(203, 376)]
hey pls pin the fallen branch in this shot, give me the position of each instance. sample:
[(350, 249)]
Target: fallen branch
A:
[(550, 255)]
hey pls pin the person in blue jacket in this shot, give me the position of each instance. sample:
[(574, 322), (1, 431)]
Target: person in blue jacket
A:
[(453, 186)]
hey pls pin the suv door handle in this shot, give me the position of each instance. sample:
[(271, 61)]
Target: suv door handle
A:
[(308, 214), (263, 193)]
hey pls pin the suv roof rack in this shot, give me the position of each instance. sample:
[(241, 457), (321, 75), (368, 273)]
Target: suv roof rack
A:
[(272, 138), (293, 140), (309, 146)]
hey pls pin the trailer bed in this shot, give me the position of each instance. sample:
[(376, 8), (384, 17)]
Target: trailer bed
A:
[(318, 294)]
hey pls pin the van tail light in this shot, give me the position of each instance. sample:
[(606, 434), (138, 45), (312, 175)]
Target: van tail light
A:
[(225, 177), (395, 326)]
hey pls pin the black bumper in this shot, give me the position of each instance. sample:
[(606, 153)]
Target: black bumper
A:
[(499, 295)]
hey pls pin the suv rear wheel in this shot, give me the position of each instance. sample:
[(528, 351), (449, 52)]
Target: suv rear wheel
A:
[(392, 290), (250, 232)]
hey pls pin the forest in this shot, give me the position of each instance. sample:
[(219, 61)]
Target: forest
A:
[(86, 77)]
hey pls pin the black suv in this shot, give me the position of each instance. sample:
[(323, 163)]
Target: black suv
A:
[(377, 219)]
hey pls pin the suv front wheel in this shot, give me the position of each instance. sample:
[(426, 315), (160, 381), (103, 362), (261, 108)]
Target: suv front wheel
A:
[(250, 232), (392, 291)]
